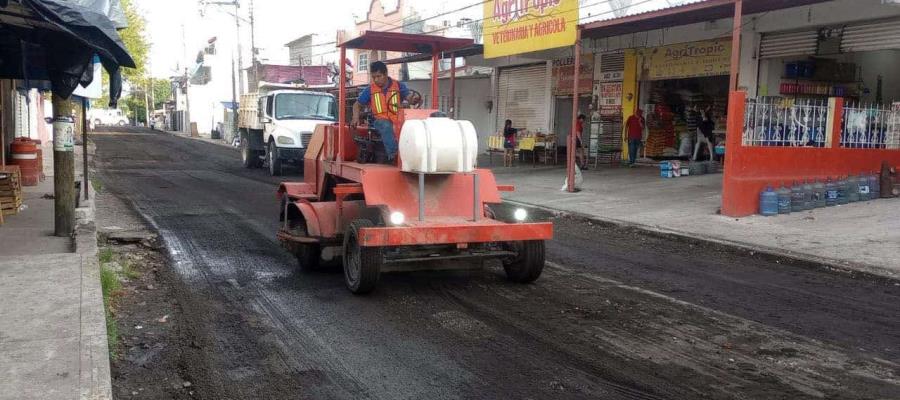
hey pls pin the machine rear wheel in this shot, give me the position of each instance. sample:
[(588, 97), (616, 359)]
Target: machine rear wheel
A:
[(529, 264), (309, 256), (362, 265)]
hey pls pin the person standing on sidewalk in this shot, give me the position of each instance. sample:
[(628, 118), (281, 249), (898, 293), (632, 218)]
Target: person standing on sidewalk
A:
[(634, 126), (509, 143), (579, 144)]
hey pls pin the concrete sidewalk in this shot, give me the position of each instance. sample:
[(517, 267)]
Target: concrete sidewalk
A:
[(860, 236), (53, 342)]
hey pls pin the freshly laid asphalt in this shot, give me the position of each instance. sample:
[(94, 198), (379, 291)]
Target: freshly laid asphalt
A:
[(618, 314)]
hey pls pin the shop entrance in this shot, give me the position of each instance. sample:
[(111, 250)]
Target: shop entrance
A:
[(673, 110), (562, 120)]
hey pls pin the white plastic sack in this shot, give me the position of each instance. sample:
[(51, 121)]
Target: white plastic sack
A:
[(579, 180)]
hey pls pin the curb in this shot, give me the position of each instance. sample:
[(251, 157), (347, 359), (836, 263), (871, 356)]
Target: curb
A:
[(856, 270), (95, 381), (217, 142)]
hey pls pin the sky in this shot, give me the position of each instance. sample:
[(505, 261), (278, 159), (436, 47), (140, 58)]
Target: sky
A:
[(177, 31)]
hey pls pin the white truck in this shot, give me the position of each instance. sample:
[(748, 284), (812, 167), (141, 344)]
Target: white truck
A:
[(275, 126), (103, 116)]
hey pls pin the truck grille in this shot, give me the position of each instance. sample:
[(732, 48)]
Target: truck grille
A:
[(305, 138)]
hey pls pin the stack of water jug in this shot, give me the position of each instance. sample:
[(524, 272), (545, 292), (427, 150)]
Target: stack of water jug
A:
[(807, 195)]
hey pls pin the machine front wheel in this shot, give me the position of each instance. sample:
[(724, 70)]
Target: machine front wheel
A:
[(362, 265), (528, 265)]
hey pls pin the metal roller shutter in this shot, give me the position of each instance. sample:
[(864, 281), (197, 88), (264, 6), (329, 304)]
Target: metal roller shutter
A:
[(21, 114), (803, 43), (882, 35), (522, 97)]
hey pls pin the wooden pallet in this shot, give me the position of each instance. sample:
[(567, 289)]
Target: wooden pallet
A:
[(10, 190)]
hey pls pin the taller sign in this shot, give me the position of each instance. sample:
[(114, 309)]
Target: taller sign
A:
[(522, 26)]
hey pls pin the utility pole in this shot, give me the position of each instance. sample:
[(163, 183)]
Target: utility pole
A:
[(84, 148), (146, 107), (234, 102), (187, 103), (186, 120), (240, 51), (63, 166), (252, 34)]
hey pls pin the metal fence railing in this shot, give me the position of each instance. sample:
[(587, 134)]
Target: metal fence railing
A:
[(785, 122), (870, 127)]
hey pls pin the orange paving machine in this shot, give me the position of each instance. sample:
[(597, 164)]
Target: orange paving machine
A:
[(431, 204)]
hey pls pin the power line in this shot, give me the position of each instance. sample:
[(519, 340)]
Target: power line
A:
[(612, 10)]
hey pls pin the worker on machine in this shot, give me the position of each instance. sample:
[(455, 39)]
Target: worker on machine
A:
[(384, 96)]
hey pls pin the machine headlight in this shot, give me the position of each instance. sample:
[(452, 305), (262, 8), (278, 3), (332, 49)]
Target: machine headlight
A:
[(520, 214), (397, 218), (285, 140)]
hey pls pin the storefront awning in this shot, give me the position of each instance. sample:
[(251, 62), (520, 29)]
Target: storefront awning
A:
[(683, 15), (55, 41), (472, 50)]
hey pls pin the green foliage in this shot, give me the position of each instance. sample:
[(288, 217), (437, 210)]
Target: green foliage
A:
[(109, 284), (162, 92), (106, 256), (136, 43)]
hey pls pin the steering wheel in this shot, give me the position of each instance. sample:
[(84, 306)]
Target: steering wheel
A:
[(414, 94)]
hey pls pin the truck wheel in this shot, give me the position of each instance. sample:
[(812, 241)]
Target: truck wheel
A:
[(248, 157), (362, 265), (309, 256), (273, 160), (528, 265)]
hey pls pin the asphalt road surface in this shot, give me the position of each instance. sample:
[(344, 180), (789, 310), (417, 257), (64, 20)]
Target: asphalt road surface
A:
[(616, 315)]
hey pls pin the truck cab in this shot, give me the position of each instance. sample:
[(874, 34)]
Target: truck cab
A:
[(276, 126)]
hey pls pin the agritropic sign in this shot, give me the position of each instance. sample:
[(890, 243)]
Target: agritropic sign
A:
[(688, 60), (522, 26)]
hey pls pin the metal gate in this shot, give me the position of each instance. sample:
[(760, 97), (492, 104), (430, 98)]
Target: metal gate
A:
[(522, 97)]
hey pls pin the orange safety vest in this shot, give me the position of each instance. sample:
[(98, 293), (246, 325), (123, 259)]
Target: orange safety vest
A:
[(386, 105)]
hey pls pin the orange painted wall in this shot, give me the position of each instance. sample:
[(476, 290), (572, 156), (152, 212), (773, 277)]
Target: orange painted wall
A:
[(748, 170)]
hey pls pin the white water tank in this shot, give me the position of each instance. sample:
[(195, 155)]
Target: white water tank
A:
[(438, 145)]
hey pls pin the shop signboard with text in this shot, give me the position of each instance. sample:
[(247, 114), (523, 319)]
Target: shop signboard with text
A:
[(521, 26), (688, 60), (611, 98), (564, 72)]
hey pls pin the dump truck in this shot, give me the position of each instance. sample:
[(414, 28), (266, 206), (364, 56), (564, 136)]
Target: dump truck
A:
[(276, 124)]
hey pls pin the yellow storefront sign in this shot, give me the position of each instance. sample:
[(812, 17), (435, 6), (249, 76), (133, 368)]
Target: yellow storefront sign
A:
[(522, 26), (688, 60)]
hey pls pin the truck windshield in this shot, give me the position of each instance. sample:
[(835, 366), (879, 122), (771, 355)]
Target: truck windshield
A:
[(304, 106)]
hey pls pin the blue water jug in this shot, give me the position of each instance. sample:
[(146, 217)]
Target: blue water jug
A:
[(796, 197), (843, 191), (818, 194), (852, 189), (831, 193), (864, 190), (784, 200), (808, 200), (768, 202), (874, 187)]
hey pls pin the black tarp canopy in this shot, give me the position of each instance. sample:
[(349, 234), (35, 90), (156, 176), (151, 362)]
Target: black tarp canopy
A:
[(55, 40)]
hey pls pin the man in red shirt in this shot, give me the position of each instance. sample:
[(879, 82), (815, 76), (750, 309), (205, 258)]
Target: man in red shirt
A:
[(634, 126)]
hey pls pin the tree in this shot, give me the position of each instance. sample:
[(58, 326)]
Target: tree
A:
[(135, 78), (162, 93)]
